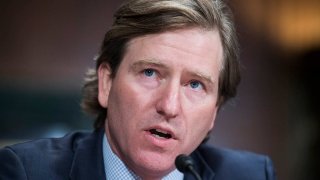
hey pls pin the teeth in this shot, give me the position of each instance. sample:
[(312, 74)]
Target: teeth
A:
[(164, 132), (155, 135)]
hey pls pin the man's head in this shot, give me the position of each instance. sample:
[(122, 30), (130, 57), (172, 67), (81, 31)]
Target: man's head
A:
[(141, 17), (164, 69)]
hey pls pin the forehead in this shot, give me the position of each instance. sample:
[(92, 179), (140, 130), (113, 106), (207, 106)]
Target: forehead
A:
[(192, 47)]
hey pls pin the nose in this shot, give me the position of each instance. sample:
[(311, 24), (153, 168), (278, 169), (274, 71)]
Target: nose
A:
[(168, 104)]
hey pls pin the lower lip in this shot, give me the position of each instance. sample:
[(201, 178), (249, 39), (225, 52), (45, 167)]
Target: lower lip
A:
[(158, 141)]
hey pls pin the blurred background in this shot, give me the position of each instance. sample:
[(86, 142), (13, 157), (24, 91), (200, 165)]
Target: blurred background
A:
[(46, 47)]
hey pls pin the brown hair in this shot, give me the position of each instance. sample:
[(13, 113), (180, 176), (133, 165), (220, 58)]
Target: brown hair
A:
[(141, 17)]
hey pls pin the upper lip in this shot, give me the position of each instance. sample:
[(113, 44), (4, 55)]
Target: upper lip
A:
[(163, 129)]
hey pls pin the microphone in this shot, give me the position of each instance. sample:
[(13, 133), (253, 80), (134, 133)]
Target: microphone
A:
[(184, 164)]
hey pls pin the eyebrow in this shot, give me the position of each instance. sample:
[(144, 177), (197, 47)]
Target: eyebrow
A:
[(202, 76), (148, 62)]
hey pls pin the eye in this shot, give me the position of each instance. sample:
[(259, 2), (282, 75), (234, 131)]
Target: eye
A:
[(196, 85), (149, 72)]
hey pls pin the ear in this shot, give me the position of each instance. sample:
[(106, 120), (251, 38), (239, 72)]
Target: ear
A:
[(104, 84)]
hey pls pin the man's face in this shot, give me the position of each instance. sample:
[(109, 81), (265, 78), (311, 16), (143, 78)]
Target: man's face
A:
[(162, 101)]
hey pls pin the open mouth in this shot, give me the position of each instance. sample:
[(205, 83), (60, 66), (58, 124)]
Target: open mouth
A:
[(160, 134)]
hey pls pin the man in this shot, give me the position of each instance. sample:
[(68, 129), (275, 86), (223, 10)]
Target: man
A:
[(164, 70)]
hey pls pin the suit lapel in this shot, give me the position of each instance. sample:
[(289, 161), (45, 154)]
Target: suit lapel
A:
[(88, 158), (201, 166)]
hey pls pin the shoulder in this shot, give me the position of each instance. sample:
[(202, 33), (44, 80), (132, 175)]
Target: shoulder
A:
[(48, 146), (49, 157), (224, 155), (234, 163)]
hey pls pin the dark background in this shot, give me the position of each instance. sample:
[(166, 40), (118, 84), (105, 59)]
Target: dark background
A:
[(46, 47)]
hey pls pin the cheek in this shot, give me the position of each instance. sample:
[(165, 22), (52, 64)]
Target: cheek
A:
[(201, 120), (197, 134), (202, 112), (127, 102), (120, 102), (202, 125), (121, 112)]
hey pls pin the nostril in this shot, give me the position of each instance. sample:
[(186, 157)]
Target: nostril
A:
[(161, 112)]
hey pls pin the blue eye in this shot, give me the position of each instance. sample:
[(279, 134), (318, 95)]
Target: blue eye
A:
[(195, 85), (149, 72)]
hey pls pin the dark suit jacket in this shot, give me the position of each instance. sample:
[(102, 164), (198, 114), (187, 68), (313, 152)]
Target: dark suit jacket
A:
[(79, 156)]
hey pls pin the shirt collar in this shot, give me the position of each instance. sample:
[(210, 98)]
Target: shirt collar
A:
[(116, 169)]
